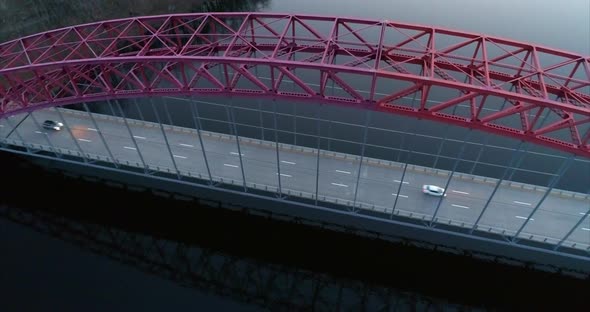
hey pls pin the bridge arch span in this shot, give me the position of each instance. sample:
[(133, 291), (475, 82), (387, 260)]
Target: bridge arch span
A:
[(501, 86)]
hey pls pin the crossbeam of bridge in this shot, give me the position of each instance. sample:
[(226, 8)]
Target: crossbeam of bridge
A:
[(517, 90), (547, 90)]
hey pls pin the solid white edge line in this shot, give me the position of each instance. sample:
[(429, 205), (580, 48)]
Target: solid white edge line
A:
[(84, 140), (339, 184), (229, 165), (178, 156), (522, 203), (342, 171), (459, 206), (129, 147), (520, 217), (465, 193)]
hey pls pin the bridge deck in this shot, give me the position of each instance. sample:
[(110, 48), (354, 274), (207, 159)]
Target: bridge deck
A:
[(379, 181)]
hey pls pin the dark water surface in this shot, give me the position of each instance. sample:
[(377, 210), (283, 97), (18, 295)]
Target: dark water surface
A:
[(41, 273)]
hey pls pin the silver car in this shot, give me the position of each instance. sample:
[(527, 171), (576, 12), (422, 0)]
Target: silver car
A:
[(433, 190)]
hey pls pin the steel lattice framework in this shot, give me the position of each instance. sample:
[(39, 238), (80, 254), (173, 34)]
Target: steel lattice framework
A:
[(506, 87)]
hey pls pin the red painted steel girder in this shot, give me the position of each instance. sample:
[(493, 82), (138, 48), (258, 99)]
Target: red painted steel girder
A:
[(506, 87)]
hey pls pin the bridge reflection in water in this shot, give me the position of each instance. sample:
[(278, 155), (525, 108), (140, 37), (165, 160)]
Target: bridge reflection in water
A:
[(275, 287)]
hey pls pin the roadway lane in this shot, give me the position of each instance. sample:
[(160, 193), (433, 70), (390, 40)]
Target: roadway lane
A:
[(379, 185)]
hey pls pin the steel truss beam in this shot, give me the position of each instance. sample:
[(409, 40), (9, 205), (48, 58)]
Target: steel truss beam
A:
[(176, 55)]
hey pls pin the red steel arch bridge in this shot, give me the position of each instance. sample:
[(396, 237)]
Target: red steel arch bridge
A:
[(514, 89)]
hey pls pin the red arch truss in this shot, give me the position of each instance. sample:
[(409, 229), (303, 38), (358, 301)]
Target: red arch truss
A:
[(506, 87)]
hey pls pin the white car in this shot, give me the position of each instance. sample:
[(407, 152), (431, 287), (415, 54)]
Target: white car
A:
[(433, 190), (52, 125)]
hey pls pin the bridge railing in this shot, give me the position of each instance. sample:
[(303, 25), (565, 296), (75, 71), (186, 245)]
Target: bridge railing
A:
[(362, 206)]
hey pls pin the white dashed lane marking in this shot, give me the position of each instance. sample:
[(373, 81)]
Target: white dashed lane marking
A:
[(459, 192), (459, 206), (522, 203), (185, 145), (130, 148), (403, 196), (84, 140), (228, 165), (91, 129), (178, 156), (520, 217), (339, 184), (398, 181), (287, 162), (342, 171), (139, 137)]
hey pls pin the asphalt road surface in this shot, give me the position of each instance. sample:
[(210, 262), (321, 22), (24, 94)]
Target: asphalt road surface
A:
[(378, 183)]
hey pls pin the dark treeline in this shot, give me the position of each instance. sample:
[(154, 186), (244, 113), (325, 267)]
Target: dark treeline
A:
[(25, 17)]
